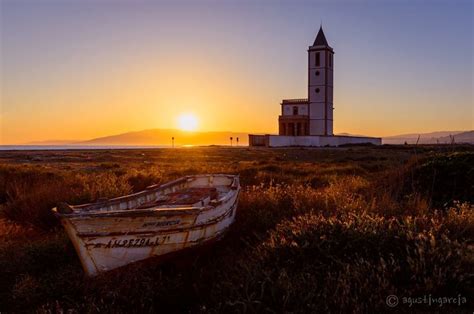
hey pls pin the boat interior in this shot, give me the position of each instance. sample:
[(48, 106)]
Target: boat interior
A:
[(186, 192), (192, 196)]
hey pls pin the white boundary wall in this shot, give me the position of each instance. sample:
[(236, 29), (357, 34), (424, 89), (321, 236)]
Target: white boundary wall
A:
[(282, 141)]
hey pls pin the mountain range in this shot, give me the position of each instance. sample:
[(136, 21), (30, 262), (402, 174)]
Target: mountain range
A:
[(163, 137), (158, 137), (440, 137)]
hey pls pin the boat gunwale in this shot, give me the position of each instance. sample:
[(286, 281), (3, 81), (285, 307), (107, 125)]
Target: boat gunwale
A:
[(83, 210), (164, 211)]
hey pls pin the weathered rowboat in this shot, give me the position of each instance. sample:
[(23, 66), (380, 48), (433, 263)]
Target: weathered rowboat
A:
[(160, 220)]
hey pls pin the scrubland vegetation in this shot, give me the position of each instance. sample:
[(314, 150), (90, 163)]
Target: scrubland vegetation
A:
[(318, 230)]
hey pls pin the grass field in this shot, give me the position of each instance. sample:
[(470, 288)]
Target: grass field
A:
[(317, 230)]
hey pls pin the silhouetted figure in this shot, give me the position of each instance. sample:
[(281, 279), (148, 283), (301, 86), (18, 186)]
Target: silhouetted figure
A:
[(231, 138), (237, 140), (172, 142)]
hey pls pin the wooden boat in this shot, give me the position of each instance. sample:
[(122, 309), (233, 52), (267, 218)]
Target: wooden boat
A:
[(160, 220)]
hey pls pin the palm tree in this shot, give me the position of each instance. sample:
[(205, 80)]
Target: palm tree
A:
[(237, 139)]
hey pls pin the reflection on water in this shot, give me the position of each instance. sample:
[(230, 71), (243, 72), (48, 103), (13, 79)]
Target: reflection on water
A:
[(78, 147)]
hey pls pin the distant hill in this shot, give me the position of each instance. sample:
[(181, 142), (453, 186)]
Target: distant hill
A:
[(442, 137), (464, 137), (53, 142), (163, 137)]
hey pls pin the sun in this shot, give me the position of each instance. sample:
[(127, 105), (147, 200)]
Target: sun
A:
[(188, 122)]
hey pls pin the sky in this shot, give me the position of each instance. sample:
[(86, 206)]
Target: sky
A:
[(75, 70)]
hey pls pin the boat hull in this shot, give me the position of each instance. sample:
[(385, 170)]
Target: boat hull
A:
[(105, 242)]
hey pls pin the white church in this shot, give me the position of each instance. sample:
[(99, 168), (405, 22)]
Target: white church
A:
[(309, 121)]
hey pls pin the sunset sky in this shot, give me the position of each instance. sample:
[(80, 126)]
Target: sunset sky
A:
[(84, 69)]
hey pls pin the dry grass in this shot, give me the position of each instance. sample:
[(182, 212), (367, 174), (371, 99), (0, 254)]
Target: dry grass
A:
[(317, 230)]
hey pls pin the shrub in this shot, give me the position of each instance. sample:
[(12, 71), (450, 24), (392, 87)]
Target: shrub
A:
[(347, 262), (141, 181), (447, 177), (31, 194)]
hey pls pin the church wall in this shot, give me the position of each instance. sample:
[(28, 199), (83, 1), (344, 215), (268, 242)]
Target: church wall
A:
[(317, 141), (316, 96), (320, 79), (330, 94), (330, 111), (281, 141), (330, 127), (317, 111), (288, 110), (316, 126), (316, 79)]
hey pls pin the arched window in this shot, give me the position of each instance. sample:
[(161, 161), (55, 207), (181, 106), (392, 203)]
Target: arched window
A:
[(295, 110)]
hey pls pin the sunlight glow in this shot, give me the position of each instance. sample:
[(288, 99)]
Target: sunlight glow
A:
[(187, 122)]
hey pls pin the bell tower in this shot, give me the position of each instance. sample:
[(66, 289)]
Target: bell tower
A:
[(320, 86)]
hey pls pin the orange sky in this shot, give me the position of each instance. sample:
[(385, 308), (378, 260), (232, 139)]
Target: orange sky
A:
[(81, 71)]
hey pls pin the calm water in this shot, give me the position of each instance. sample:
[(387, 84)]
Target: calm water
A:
[(75, 147)]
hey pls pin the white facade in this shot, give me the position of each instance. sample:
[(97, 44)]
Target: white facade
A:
[(283, 141), (320, 88), (310, 140), (291, 110)]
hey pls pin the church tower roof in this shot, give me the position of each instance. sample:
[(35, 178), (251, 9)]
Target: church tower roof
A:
[(320, 38)]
